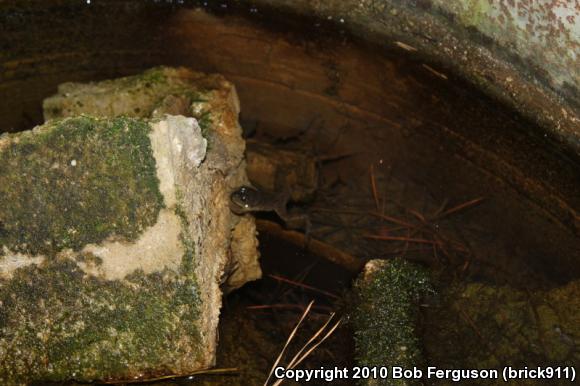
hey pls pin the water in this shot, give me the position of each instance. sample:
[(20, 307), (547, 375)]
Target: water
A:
[(419, 145)]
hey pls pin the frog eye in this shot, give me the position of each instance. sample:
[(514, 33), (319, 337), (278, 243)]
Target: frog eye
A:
[(241, 196), (244, 199)]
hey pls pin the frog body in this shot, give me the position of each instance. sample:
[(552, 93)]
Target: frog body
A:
[(247, 199)]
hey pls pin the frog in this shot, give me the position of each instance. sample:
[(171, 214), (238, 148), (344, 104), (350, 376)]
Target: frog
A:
[(247, 199)]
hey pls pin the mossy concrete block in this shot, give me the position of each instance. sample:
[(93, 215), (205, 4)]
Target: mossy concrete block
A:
[(212, 101), (384, 317), (115, 234)]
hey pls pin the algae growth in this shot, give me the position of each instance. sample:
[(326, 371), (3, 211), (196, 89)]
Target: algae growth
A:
[(384, 317), (188, 259), (136, 96), (57, 323), (77, 181), (483, 325)]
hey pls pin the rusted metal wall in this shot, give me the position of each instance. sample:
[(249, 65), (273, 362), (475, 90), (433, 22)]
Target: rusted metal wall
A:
[(545, 34), (525, 53)]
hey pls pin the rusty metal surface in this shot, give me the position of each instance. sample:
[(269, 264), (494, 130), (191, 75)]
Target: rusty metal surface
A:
[(545, 34), (524, 53)]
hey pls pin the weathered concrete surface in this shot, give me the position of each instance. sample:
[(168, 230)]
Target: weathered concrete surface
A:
[(210, 99), (526, 54), (114, 245), (96, 270)]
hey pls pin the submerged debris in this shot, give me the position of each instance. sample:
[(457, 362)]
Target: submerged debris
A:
[(480, 325)]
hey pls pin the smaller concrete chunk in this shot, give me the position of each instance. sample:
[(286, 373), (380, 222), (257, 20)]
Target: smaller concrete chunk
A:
[(384, 317)]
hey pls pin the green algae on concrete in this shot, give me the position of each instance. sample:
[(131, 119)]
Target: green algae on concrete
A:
[(135, 299), (188, 259), (482, 325), (77, 181), (70, 183), (145, 88), (151, 94), (384, 316), (56, 323), (138, 96)]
